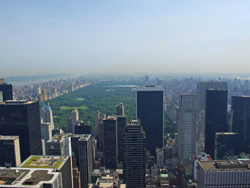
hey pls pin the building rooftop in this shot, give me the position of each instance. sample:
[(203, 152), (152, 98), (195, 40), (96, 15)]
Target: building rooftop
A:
[(35, 161), (226, 133), (149, 88), (134, 122), (225, 165), (3, 137), (17, 102), (24, 177)]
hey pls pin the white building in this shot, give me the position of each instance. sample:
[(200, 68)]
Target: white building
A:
[(47, 115), (186, 126), (223, 174)]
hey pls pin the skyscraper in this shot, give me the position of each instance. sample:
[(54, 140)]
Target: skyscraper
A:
[(83, 128), (121, 128), (22, 118), (120, 109), (134, 155), (150, 110), (6, 91), (110, 147), (186, 126), (47, 115), (1, 96), (215, 117), (226, 144), (45, 94), (201, 92), (10, 151), (85, 160), (74, 118), (241, 121), (46, 133)]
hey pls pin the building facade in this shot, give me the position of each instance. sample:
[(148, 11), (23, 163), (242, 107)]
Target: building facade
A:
[(186, 126), (240, 121), (121, 128), (215, 117), (150, 111), (120, 110), (22, 118), (9, 151), (134, 162), (7, 92), (47, 115)]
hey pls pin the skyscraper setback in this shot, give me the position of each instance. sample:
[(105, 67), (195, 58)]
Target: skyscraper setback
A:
[(150, 111), (22, 118), (215, 117)]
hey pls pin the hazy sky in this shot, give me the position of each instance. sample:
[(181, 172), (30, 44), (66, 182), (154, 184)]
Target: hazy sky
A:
[(124, 36)]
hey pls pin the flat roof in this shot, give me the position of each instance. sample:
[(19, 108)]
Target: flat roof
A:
[(226, 133), (17, 102), (225, 165), (35, 161), (149, 88), (3, 137), (25, 177)]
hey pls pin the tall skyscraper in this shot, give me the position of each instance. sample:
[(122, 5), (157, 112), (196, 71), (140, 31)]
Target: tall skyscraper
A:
[(241, 121), (74, 118), (6, 91), (150, 111), (134, 155), (45, 94), (120, 109), (22, 118), (83, 128), (215, 117), (1, 96), (226, 144), (121, 128), (46, 133), (85, 160), (110, 147), (47, 115), (201, 92), (9, 151), (186, 126)]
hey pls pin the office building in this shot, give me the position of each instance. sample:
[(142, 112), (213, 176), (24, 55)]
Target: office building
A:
[(56, 145), (74, 118), (1, 96), (121, 128), (107, 181), (7, 92), (150, 110), (47, 115), (160, 159), (30, 177), (226, 144), (85, 160), (9, 151), (201, 92), (215, 117), (134, 162), (110, 147), (46, 132), (45, 94), (100, 136), (120, 110), (223, 174), (60, 164), (186, 127), (83, 128), (56, 131), (82, 158), (240, 119), (22, 118)]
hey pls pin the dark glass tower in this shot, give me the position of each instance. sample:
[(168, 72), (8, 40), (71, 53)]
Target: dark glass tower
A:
[(134, 156), (225, 145), (241, 121), (121, 128), (215, 117), (7, 91), (110, 147), (149, 110), (22, 118)]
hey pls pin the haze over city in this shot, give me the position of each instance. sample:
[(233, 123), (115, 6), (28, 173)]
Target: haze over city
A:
[(91, 37)]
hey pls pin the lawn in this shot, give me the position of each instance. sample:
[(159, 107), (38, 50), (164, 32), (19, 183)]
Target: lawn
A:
[(70, 108)]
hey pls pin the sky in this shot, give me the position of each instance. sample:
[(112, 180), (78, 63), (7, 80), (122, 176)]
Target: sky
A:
[(124, 36)]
